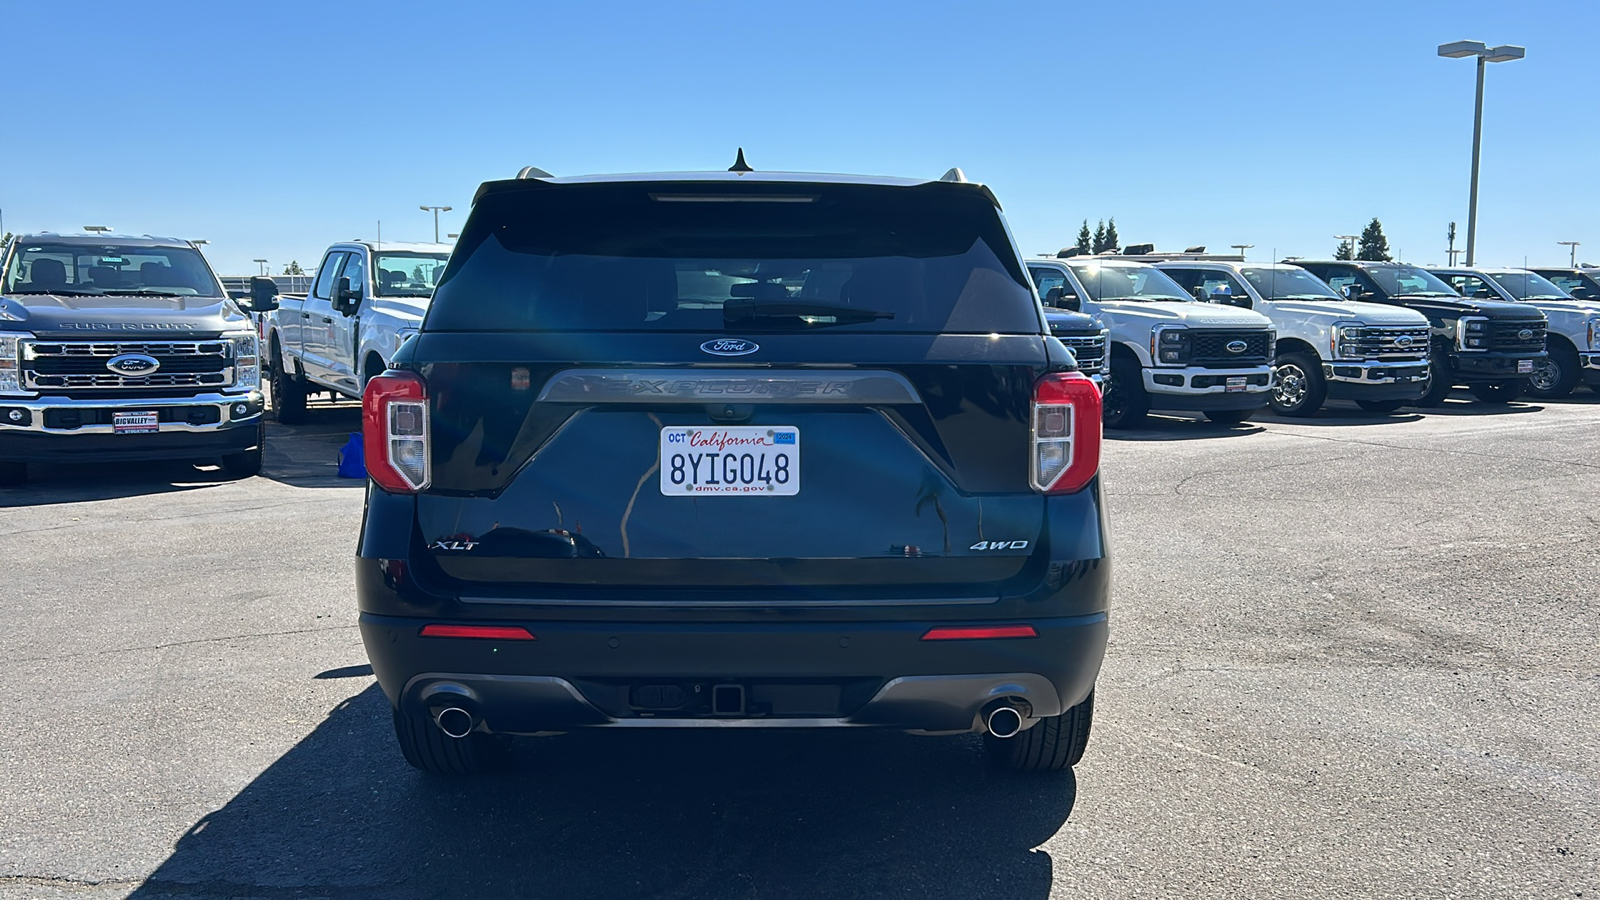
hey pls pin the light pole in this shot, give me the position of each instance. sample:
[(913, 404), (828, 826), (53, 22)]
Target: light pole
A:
[(1485, 55), (1572, 261), (436, 210), (1348, 239), (1241, 248), (262, 263), (97, 229)]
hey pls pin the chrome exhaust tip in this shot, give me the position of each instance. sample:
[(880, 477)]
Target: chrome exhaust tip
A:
[(455, 722), (1004, 722)]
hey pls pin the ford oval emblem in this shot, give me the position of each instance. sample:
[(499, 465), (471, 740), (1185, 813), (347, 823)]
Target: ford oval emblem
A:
[(133, 364), (1525, 334), (1237, 346), (730, 347), (1403, 340)]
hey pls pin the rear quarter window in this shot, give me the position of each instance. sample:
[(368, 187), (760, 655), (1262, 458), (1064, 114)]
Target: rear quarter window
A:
[(687, 257)]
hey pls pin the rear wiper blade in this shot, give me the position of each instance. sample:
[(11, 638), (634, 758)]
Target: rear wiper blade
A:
[(737, 311)]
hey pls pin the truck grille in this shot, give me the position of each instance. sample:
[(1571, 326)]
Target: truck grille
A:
[(1392, 342), (80, 365), (1505, 335), (1210, 348), (1088, 346)]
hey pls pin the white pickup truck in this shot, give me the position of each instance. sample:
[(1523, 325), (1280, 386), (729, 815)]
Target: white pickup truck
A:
[(367, 298)]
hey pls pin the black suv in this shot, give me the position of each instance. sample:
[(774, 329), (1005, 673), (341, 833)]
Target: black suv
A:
[(734, 449), (1488, 345)]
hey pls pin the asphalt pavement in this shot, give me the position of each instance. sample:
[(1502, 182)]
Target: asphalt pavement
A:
[(1352, 656)]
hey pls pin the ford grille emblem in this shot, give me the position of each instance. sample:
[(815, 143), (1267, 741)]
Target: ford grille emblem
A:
[(730, 347), (1403, 340), (1237, 346), (1525, 334), (133, 364)]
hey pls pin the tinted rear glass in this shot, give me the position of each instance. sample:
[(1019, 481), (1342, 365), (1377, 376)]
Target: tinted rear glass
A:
[(671, 256)]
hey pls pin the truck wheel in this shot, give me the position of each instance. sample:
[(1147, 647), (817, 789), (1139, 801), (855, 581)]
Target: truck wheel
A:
[(1298, 390), (1440, 378), (1229, 416), (13, 473), (248, 463), (1125, 403), (1053, 744), (1498, 391), (427, 748), (288, 396), (1380, 406), (1556, 375)]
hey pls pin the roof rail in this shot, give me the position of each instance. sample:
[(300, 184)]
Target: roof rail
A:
[(533, 172), (955, 175)]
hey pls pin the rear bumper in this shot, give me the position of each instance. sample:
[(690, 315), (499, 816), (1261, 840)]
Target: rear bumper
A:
[(878, 674)]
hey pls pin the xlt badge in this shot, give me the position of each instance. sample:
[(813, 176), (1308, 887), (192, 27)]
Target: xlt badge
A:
[(452, 545)]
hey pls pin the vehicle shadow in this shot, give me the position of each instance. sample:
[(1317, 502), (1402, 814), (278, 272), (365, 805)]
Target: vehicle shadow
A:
[(307, 454), (51, 484), (1163, 427), (704, 814)]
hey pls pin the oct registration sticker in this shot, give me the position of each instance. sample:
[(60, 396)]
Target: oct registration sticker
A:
[(135, 422), (746, 459)]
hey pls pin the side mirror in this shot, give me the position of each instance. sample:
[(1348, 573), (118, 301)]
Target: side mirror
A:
[(1060, 299), (263, 294), (1199, 292), (345, 300), (1581, 293), (1351, 291), (1239, 300)]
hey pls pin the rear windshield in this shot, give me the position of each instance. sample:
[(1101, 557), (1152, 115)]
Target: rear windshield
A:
[(735, 259)]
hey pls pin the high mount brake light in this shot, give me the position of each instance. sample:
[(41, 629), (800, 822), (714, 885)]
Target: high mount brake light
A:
[(394, 425), (1064, 450)]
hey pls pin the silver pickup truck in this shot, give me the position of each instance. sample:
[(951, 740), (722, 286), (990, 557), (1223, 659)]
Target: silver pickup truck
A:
[(117, 348), (367, 298)]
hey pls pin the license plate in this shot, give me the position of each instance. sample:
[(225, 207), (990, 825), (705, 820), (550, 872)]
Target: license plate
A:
[(135, 422), (1524, 366), (743, 459), (1235, 384)]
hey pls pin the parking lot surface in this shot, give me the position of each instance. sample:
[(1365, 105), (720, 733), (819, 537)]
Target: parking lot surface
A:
[(1353, 655)]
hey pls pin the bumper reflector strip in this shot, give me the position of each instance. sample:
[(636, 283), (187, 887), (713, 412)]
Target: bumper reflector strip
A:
[(489, 632), (979, 632)]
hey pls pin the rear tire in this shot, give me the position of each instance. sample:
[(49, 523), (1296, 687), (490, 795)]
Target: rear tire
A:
[(1229, 416), (1125, 403), (427, 748), (1440, 378), (1380, 406), (1555, 376), (1498, 391), (288, 396), (1053, 744), (13, 474), (1298, 388)]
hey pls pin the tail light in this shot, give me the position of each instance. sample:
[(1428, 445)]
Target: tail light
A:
[(1065, 445), (395, 431)]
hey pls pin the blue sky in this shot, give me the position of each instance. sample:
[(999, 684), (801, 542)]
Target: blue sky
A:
[(274, 129)]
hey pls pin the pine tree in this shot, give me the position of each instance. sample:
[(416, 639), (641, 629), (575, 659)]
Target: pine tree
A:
[(293, 268), (1112, 241), (1374, 246), (1345, 251), (1084, 243), (1099, 236)]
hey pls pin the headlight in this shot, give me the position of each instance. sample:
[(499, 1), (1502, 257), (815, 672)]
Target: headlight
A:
[(1347, 338), (1472, 333), (246, 361), (1170, 346), (10, 362), (1594, 334)]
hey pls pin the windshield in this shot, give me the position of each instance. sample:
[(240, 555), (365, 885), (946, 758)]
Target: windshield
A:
[(1126, 281), (1287, 283), (1528, 286), (409, 274), (1409, 281), (735, 258), (42, 267)]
